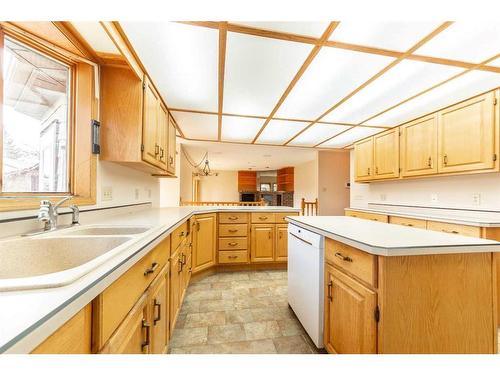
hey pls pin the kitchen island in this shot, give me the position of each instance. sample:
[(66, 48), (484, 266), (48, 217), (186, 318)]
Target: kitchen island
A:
[(395, 289)]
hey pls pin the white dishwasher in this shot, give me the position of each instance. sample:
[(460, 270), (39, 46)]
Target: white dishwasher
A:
[(305, 280)]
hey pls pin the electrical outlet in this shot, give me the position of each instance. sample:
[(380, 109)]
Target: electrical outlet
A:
[(148, 192), (383, 197), (434, 198), (107, 193), (476, 199), (136, 193)]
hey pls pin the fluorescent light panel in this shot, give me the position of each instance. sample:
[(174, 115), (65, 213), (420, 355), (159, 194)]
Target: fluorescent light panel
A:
[(196, 125), (318, 133), (404, 80), (350, 136), (258, 70), (240, 129), (314, 29), (95, 35), (464, 87), (279, 131), (332, 75), (182, 60)]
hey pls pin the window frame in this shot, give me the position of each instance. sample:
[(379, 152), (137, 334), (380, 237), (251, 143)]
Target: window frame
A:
[(82, 107)]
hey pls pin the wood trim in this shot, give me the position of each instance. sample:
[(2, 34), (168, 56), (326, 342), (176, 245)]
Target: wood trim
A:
[(330, 138), (72, 34), (309, 59), (222, 65), (1, 104), (416, 46)]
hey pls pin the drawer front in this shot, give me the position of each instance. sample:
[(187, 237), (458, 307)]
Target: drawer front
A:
[(280, 217), (236, 256), (233, 243), (113, 304), (233, 230), (367, 215), (356, 262), (263, 217), (233, 217), (464, 230), (409, 222), (179, 234)]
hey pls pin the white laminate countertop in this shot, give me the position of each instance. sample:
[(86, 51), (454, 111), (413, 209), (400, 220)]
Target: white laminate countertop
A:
[(455, 216), (391, 239), (29, 317)]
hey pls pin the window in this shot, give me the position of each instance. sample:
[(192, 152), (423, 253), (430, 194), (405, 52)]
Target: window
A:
[(36, 97), (265, 186)]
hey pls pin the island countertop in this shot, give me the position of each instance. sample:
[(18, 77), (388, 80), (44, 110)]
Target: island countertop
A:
[(391, 239)]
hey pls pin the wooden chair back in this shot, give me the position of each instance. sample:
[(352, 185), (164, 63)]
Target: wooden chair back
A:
[(309, 208)]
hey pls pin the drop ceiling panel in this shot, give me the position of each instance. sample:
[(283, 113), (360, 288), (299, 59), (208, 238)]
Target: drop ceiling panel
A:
[(258, 70), (398, 36), (279, 131), (350, 136), (314, 29), (464, 87), (317, 133), (240, 129), (466, 41), (182, 60), (95, 36), (404, 80), (495, 62), (332, 75), (197, 126)]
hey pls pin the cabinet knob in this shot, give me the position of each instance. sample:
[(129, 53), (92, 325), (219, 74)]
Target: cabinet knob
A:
[(429, 162), (445, 159), (151, 269)]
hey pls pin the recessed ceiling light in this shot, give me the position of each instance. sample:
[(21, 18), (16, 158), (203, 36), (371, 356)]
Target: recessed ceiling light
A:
[(267, 156)]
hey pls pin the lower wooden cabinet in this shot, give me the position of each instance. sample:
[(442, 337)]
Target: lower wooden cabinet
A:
[(159, 312), (350, 325), (281, 254), (262, 242), (204, 241), (175, 287)]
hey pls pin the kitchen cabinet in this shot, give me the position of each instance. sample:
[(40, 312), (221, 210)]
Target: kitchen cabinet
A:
[(262, 242), (204, 241), (363, 160), (247, 181), (466, 135), (418, 155), (136, 128), (367, 215), (350, 326), (285, 179), (281, 242), (159, 312), (175, 287), (408, 222), (386, 154)]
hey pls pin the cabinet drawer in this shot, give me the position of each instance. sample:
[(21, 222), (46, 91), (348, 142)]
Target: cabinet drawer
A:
[(233, 243), (280, 217), (263, 217), (233, 230), (179, 234), (409, 222), (464, 230), (237, 256), (356, 262), (113, 304), (233, 217), (367, 215)]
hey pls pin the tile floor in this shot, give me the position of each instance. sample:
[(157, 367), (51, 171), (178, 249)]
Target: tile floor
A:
[(239, 312)]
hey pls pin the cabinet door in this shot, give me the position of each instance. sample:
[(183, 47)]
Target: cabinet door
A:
[(134, 334), (175, 279), (150, 134), (466, 135), (363, 159), (281, 242), (158, 305), (204, 242), (163, 137), (350, 326), (386, 154), (419, 147), (171, 146), (262, 242)]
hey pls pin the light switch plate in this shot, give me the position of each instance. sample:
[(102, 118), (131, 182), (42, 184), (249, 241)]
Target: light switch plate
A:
[(434, 198), (107, 193), (476, 199)]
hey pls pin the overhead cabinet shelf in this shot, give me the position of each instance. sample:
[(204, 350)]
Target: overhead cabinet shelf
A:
[(460, 139)]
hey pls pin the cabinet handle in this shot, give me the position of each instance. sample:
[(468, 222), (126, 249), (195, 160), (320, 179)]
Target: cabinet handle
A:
[(233, 243), (171, 160), (198, 226), (183, 259), (179, 263), (262, 217), (162, 154), (145, 343), (151, 269), (429, 162), (233, 218), (344, 258), (232, 230), (450, 231), (376, 170), (445, 159), (368, 171), (232, 256), (409, 225), (330, 285), (157, 149), (269, 235), (158, 317), (181, 234), (281, 235)]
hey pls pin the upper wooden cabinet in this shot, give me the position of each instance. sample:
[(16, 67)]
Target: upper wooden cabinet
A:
[(466, 135), (136, 129), (247, 181), (419, 147), (286, 179), (363, 152), (386, 154)]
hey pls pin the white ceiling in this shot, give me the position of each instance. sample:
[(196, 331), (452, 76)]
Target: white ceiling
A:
[(95, 35), (226, 156)]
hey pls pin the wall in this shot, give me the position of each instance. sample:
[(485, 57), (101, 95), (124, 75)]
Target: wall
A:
[(451, 191), (306, 182), (185, 177), (333, 175), (170, 187), (221, 188)]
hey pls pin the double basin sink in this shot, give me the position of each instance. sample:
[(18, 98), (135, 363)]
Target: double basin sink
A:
[(60, 257)]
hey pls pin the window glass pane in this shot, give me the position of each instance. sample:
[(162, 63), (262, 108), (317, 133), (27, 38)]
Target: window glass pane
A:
[(35, 121)]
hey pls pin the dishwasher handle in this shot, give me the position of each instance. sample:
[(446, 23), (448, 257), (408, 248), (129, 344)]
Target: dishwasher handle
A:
[(301, 239)]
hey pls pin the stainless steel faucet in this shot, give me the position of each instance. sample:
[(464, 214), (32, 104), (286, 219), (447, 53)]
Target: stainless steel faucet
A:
[(48, 213)]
